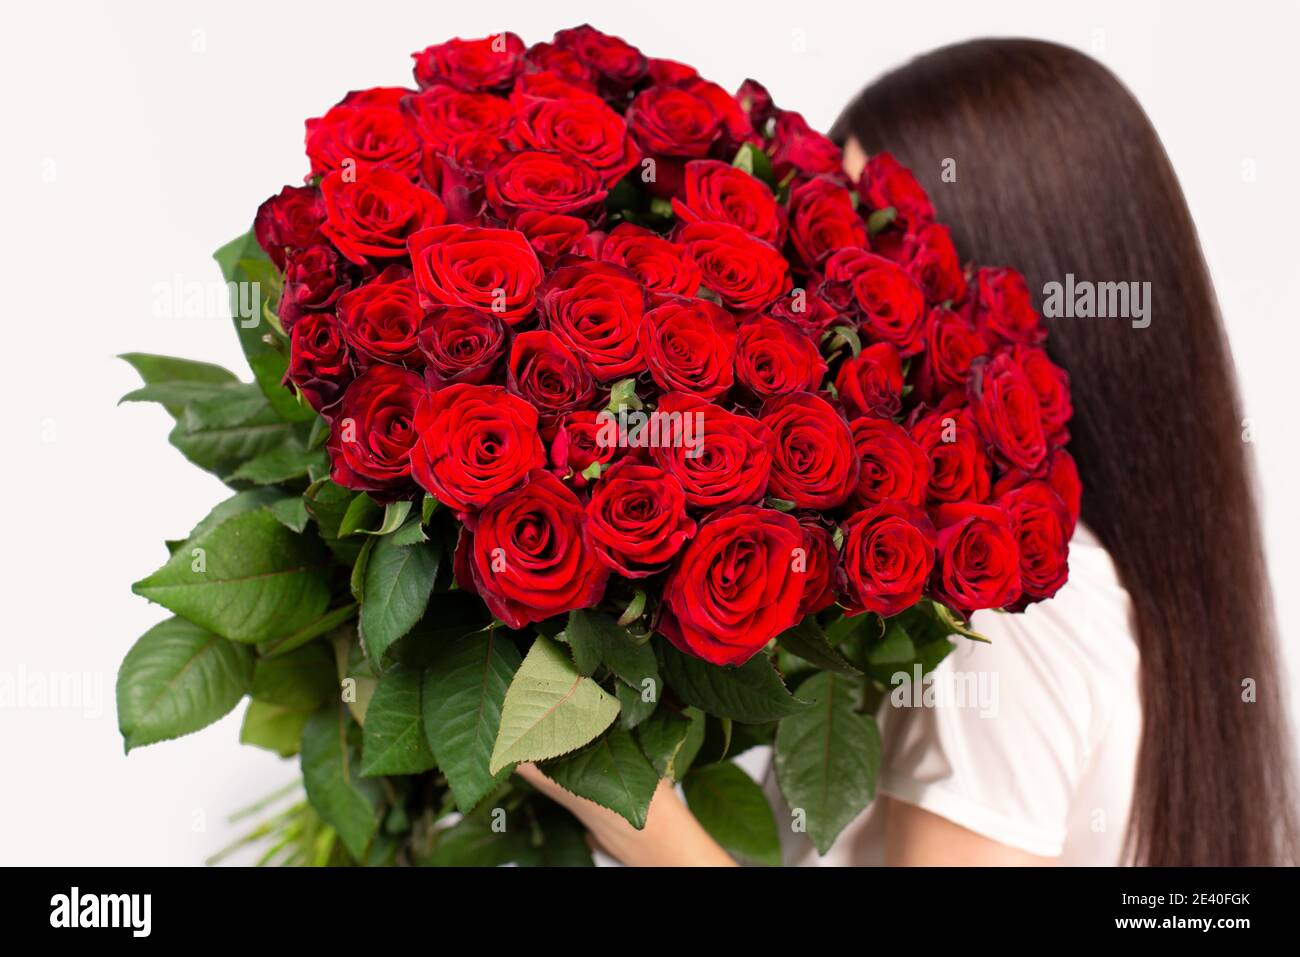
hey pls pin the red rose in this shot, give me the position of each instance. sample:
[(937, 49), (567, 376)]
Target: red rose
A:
[(723, 458), (931, 260), (871, 383), (542, 370), (773, 357), (552, 235), (979, 561), (886, 182), (755, 101), (291, 219), (596, 310), (1051, 384), (745, 272), (718, 192), (548, 59), (1041, 525), (528, 555), (894, 467), (1002, 310), (357, 138), (442, 114), (736, 128), (313, 281), (892, 305), (801, 149), (669, 121), (476, 442), (669, 72), (823, 220), (888, 556), (372, 432), (689, 345), (547, 182), (1006, 408), (381, 319), (734, 589), (580, 443), (807, 311), (613, 59), (490, 63), (951, 346), (637, 518), (372, 217), (959, 468), (661, 265), (1063, 477), (821, 578), (319, 362), (490, 269), (461, 345), (587, 130), (814, 462)]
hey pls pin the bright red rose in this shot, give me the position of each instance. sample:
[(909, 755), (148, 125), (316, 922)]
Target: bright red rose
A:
[(543, 370), (461, 345), (637, 518), (888, 557), (1051, 384), (951, 346), (475, 443), (1041, 525), (669, 121), (320, 364), (613, 59), (381, 320), (774, 357), (814, 462), (596, 309), (959, 467), (734, 587), (548, 59), (801, 149), (661, 265), (1002, 309), (314, 279), (1061, 474), (490, 63), (587, 130), (355, 139), (807, 311), (871, 383), (745, 272), (291, 219), (891, 304), (546, 182), (441, 114), (894, 467), (494, 270), (979, 561), (372, 217), (579, 443), (736, 128), (756, 102), (886, 182), (718, 192), (723, 458), (689, 345), (823, 220), (931, 260), (669, 72), (1006, 409), (553, 236), (821, 573), (372, 432), (528, 554)]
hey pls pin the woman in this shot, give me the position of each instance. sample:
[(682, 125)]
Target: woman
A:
[(1139, 715)]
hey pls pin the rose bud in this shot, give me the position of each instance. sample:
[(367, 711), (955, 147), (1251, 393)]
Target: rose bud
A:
[(291, 219), (320, 364)]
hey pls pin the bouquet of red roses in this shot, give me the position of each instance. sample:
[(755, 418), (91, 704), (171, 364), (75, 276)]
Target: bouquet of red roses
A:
[(599, 420)]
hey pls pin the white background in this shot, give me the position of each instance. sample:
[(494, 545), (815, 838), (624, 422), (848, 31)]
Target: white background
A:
[(139, 137)]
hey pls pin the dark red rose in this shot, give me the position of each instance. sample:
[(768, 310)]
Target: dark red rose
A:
[(723, 458), (756, 102), (471, 155), (546, 182), (1063, 477), (314, 279), (373, 216), (476, 442), (807, 311), (891, 304), (581, 440), (372, 432), (669, 72), (733, 589), (871, 383), (490, 63), (951, 346), (979, 561), (718, 192), (959, 468), (820, 566), (381, 320), (814, 462), (774, 357), (461, 345), (637, 518), (1041, 525), (931, 260), (543, 370), (441, 114), (547, 58), (494, 270), (356, 137), (596, 310), (745, 272), (551, 235), (886, 182), (320, 364), (888, 557), (1002, 309), (613, 59), (801, 149), (894, 467), (1006, 409), (736, 128), (689, 345), (528, 554), (587, 130), (669, 121), (661, 265), (823, 220), (291, 219), (1051, 384)]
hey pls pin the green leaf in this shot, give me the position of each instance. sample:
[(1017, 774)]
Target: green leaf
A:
[(176, 679), (361, 511), (808, 641), (273, 727), (220, 433), (755, 162), (347, 802), (633, 707), (291, 512), (664, 739), (427, 508), (249, 579), (394, 515), (326, 622), (471, 842), (612, 772), (175, 396), (303, 679), (399, 579), (412, 533), (826, 758), (285, 462), (393, 740), (752, 692), (464, 689), (249, 500), (550, 709), (881, 218), (597, 638), (733, 809), (189, 378)]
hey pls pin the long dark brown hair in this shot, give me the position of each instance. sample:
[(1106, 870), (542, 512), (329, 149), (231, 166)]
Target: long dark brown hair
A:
[(1058, 170)]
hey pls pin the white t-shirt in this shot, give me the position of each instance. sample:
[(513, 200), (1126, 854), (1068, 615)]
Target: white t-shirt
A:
[(1031, 741)]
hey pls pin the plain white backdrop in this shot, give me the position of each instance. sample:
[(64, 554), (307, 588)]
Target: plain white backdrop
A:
[(138, 137)]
